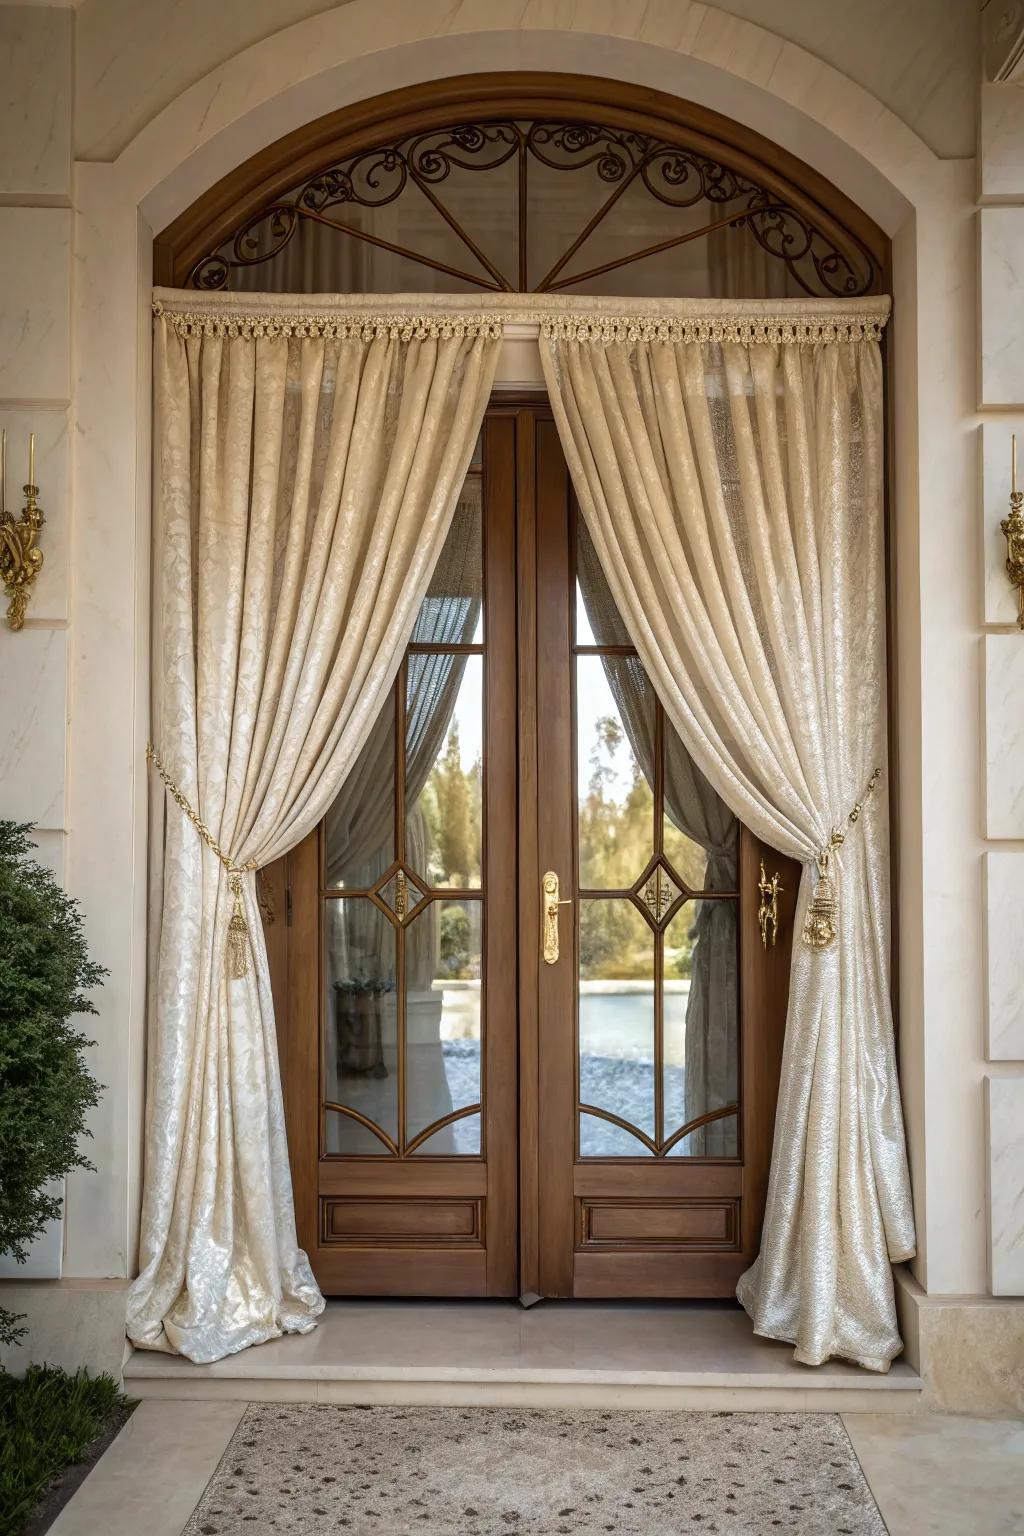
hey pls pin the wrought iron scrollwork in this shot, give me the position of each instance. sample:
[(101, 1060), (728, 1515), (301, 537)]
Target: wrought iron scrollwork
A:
[(823, 263)]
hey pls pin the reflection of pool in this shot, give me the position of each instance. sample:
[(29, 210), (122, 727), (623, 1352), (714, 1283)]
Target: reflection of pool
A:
[(616, 1066), (618, 1083), (616, 1019)]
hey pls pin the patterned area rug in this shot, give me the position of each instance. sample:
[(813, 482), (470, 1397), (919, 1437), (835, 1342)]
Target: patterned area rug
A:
[(485, 1471)]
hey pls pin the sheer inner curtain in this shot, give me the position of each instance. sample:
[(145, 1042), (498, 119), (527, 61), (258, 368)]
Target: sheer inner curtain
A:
[(728, 464), (308, 463)]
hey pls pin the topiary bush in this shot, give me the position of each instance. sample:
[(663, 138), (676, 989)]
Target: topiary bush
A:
[(45, 1087)]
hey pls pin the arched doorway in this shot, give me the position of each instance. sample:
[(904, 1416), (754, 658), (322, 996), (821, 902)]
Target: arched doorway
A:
[(476, 1108)]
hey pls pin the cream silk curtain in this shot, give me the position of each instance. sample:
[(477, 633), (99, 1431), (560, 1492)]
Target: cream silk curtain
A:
[(308, 464), (728, 463)]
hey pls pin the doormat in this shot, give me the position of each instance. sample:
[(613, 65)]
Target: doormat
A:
[(483, 1471)]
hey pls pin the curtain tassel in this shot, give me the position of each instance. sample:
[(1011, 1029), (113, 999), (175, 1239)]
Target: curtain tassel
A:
[(822, 922), (238, 935), (821, 926), (238, 928)]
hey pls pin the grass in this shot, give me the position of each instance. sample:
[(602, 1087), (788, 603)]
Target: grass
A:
[(48, 1420)]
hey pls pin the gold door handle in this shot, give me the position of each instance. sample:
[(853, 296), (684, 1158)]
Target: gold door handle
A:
[(549, 911)]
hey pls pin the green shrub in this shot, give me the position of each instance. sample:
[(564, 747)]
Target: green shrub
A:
[(48, 1419), (45, 1087)]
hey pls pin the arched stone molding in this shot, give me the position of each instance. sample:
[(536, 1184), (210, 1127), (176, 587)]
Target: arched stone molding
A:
[(735, 68), (723, 62)]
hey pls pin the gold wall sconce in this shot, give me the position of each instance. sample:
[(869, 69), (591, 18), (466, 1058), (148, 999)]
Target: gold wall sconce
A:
[(21, 559), (768, 911), (1013, 528)]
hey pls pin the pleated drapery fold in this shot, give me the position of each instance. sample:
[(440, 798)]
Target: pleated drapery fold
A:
[(306, 477), (731, 485)]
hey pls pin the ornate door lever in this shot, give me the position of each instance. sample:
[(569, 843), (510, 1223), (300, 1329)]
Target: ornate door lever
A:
[(550, 904)]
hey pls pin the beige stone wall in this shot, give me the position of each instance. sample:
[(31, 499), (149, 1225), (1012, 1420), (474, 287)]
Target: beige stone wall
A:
[(878, 115), (1001, 394), (35, 395)]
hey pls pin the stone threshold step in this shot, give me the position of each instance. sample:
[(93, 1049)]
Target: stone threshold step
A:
[(541, 1390), (702, 1355)]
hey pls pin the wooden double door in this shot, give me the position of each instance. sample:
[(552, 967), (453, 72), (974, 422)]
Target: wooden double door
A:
[(530, 1031)]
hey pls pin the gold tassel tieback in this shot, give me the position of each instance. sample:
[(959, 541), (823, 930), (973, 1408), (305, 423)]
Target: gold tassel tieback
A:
[(821, 926), (238, 928)]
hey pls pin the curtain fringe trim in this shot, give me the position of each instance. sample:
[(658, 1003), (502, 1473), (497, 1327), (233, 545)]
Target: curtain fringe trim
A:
[(328, 327), (595, 329), (747, 331)]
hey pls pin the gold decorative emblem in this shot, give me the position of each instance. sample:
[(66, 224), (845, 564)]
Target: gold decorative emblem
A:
[(768, 911), (401, 894), (20, 558), (1013, 528), (659, 893)]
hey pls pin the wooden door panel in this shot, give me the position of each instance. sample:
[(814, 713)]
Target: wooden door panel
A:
[(629, 1223), (680, 1224), (406, 1220)]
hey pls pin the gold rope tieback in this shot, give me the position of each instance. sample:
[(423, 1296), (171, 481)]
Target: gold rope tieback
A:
[(822, 922), (238, 929)]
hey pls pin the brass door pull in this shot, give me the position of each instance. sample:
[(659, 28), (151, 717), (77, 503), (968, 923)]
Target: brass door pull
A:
[(549, 911)]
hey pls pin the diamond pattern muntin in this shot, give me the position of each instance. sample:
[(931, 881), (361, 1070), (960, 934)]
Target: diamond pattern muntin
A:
[(658, 893), (401, 895)]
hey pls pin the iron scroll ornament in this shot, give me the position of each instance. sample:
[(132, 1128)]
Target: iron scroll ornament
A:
[(834, 265)]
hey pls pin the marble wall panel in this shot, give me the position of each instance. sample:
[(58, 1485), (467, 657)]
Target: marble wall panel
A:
[(1004, 1129), (1001, 277), (35, 101), (999, 599), (1004, 955), (35, 274), (33, 725), (1004, 735), (1000, 141)]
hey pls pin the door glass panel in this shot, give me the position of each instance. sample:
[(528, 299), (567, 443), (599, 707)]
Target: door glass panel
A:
[(360, 828), (718, 1139), (701, 1055), (616, 1011), (615, 771), (443, 960), (451, 613), (444, 768), (361, 1034), (460, 1139), (601, 1138)]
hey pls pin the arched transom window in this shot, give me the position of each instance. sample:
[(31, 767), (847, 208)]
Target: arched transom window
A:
[(541, 204)]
